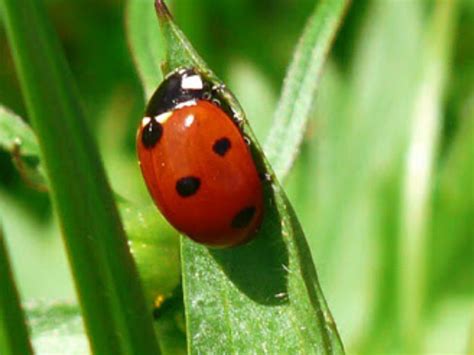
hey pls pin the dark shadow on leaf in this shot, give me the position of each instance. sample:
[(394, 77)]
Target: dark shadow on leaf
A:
[(258, 268)]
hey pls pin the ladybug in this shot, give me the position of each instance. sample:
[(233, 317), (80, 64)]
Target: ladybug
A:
[(196, 163)]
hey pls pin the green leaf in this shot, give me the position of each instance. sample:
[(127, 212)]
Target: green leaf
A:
[(13, 332), (155, 247), (302, 80), (146, 41), (110, 293), (17, 138), (264, 295)]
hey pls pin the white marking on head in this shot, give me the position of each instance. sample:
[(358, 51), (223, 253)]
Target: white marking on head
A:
[(145, 121), (193, 82), (185, 104), (189, 120), (163, 117)]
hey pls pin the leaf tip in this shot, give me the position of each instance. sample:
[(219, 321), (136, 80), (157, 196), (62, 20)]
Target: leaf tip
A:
[(162, 10)]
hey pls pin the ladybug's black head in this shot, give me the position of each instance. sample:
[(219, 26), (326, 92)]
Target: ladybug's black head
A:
[(180, 87)]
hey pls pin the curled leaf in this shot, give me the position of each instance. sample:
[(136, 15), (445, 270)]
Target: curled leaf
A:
[(17, 138)]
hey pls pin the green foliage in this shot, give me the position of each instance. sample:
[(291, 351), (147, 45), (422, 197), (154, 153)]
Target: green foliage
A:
[(144, 37), (154, 244), (13, 332), (299, 92), (353, 170), (349, 185), (115, 316)]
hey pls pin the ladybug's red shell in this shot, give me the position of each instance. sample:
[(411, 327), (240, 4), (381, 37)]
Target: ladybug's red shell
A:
[(199, 170)]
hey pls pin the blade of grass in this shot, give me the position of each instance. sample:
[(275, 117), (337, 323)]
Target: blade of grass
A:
[(109, 290), (302, 81), (422, 148), (13, 332), (144, 37), (264, 295)]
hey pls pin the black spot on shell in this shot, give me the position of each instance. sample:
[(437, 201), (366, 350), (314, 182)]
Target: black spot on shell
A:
[(243, 218), (221, 146), (151, 134), (188, 186)]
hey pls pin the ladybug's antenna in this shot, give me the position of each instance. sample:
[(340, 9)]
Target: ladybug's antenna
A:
[(162, 10)]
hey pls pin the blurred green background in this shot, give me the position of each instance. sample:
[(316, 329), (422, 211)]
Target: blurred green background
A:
[(383, 186)]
